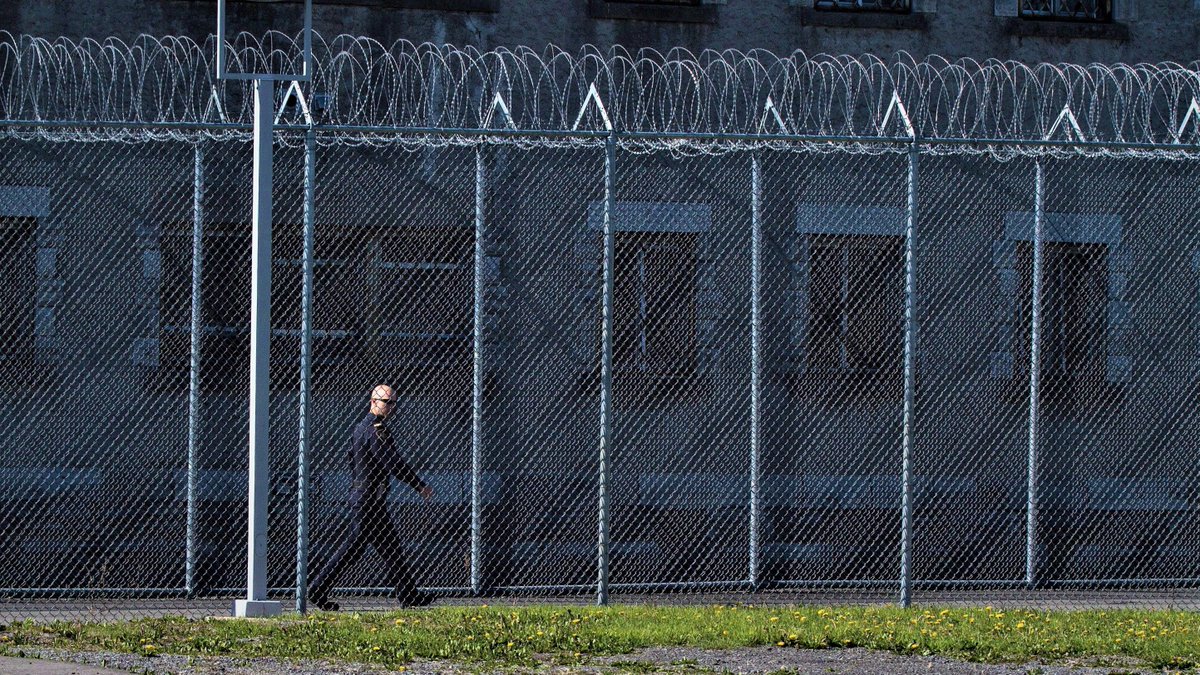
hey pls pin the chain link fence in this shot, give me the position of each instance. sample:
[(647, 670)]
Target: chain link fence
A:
[(771, 367), (761, 439)]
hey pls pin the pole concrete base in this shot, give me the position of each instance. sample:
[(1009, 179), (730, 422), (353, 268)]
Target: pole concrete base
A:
[(256, 609)]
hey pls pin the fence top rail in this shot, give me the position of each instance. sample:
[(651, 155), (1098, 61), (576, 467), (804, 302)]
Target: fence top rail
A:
[(685, 143), (360, 82)]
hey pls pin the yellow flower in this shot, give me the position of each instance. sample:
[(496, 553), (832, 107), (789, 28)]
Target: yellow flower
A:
[(793, 636), (779, 644), (774, 619), (399, 622), (1020, 624), (913, 646)]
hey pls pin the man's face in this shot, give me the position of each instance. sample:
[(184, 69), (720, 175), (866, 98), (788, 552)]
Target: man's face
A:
[(383, 401)]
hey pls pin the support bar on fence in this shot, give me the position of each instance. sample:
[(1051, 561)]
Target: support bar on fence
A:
[(910, 338), (755, 363), (306, 312), (194, 364), (1035, 364), (1044, 144), (606, 365), (477, 378)]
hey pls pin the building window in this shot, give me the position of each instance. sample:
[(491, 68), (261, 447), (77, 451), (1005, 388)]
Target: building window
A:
[(1067, 10), (386, 301), (864, 5), (1073, 320), (18, 282), (654, 302), (224, 312), (677, 3), (422, 287), (856, 304)]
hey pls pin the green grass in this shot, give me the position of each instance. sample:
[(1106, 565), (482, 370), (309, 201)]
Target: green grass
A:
[(528, 635)]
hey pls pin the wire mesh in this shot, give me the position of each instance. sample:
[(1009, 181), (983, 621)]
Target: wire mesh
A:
[(755, 371)]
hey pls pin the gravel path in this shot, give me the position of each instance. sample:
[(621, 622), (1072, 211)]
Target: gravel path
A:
[(667, 659)]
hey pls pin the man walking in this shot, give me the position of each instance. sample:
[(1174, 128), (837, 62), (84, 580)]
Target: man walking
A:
[(374, 459)]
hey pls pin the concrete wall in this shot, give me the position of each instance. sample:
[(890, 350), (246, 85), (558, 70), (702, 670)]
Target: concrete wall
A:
[(1144, 30)]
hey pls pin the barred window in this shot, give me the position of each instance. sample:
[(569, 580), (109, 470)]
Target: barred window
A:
[(865, 5), (397, 299), (224, 309), (1073, 320), (422, 288), (856, 303), (17, 284), (654, 302), (1067, 10)]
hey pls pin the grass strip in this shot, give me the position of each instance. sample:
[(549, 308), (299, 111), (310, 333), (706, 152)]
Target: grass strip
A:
[(528, 635)]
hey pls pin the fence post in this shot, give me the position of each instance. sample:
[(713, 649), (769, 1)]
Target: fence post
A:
[(256, 603), (755, 329), (477, 382), (910, 345), (606, 364), (194, 363), (1035, 356), (306, 299)]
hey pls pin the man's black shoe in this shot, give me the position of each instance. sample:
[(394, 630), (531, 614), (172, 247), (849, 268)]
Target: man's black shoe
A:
[(417, 599), (324, 604)]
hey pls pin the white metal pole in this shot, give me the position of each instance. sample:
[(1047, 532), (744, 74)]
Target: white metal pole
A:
[(256, 603)]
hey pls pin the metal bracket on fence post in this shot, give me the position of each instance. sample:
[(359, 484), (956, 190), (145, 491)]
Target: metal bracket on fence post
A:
[(194, 364), (1035, 355), (477, 377), (910, 346), (755, 328), (306, 310)]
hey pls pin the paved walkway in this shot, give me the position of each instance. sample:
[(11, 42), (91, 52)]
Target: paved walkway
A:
[(14, 666)]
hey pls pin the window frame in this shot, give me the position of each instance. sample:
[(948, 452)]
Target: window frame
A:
[(686, 361), (18, 329), (32, 365), (841, 6), (338, 361), (1055, 13), (694, 218), (816, 220), (845, 243), (1095, 229)]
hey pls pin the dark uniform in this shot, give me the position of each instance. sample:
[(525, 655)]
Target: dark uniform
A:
[(374, 459)]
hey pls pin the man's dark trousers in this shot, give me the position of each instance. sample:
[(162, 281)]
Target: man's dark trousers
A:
[(367, 523), (373, 461)]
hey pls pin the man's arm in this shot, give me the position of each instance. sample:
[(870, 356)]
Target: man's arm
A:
[(401, 469)]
